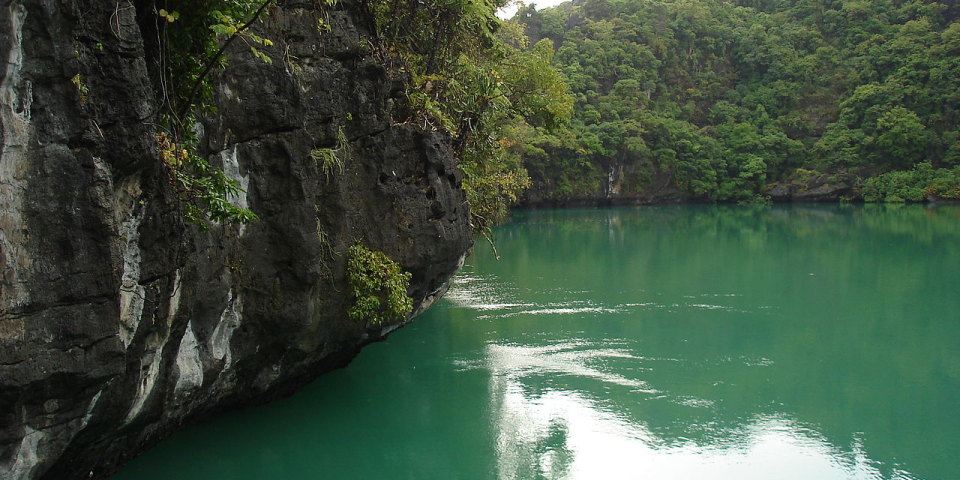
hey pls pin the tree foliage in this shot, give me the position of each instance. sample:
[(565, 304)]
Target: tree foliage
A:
[(191, 38), (476, 78), (724, 97)]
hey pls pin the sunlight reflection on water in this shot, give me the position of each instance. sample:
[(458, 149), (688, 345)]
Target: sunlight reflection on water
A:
[(567, 431), (564, 434)]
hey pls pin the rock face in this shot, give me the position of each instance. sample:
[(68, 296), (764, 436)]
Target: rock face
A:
[(621, 186), (119, 323), (811, 186)]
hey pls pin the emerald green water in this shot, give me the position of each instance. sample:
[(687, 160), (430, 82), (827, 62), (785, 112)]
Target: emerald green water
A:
[(802, 342)]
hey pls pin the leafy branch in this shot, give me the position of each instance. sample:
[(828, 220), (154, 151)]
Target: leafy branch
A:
[(235, 32), (206, 188)]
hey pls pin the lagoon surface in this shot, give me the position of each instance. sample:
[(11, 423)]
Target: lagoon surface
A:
[(694, 342)]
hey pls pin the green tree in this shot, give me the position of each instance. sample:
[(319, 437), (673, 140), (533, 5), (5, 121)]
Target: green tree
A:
[(726, 97), (901, 138), (476, 78)]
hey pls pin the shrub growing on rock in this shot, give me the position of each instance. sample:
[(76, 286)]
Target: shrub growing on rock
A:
[(378, 287)]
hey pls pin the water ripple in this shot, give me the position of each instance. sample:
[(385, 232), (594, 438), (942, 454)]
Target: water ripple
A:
[(567, 358), (487, 293)]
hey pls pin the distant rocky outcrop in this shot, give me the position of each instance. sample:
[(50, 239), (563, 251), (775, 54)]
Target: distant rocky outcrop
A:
[(811, 186), (119, 323), (618, 187), (803, 186)]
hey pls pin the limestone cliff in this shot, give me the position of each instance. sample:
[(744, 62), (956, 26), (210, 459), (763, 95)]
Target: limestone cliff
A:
[(119, 323)]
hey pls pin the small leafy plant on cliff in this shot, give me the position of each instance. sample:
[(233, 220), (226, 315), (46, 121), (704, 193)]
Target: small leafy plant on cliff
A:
[(81, 88), (330, 160), (205, 188), (378, 287)]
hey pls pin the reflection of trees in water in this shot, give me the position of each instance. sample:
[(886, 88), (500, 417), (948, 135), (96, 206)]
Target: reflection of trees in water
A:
[(684, 239), (909, 221), (547, 456), (553, 448)]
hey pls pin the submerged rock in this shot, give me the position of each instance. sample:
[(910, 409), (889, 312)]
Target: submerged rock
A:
[(119, 323)]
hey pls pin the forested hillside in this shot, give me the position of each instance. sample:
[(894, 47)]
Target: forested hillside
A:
[(717, 100)]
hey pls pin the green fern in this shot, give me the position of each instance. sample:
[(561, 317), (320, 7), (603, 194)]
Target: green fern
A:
[(330, 160)]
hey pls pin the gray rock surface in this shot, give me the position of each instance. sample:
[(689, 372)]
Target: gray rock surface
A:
[(616, 189), (119, 324), (811, 186)]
